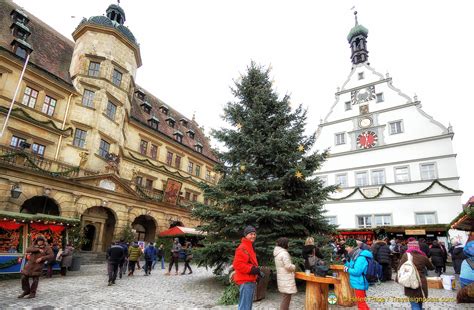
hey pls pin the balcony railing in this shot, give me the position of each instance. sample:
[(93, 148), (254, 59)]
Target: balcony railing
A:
[(19, 157), (156, 195)]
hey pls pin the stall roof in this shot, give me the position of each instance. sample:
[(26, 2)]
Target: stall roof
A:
[(465, 219), (38, 217), (181, 231)]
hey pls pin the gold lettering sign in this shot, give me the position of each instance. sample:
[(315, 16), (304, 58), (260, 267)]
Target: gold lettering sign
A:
[(415, 232)]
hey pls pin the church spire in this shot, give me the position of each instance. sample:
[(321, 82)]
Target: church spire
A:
[(357, 38)]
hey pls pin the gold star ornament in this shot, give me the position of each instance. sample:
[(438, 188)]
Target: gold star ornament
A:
[(242, 168), (301, 148), (298, 174), (239, 126)]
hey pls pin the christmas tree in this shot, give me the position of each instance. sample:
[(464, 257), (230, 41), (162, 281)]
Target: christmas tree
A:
[(265, 176)]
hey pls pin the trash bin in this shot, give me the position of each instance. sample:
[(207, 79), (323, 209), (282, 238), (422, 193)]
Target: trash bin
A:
[(76, 263), (447, 281)]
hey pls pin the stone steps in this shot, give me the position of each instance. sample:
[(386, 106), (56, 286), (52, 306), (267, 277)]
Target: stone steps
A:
[(90, 258)]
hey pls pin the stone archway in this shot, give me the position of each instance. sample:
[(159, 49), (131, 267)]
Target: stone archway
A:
[(103, 220), (145, 227), (40, 204)]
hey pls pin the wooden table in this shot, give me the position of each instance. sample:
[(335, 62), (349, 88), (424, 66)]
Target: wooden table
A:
[(317, 289), (344, 292)]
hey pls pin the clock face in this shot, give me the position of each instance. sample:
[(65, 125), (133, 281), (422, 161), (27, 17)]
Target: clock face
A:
[(365, 122), (367, 140)]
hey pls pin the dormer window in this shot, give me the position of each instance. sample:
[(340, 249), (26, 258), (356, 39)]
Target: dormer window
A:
[(20, 31), (140, 94), (190, 133), (198, 147), (178, 136), (19, 16), (164, 109), (184, 122), (153, 122), (146, 107), (21, 48), (171, 122)]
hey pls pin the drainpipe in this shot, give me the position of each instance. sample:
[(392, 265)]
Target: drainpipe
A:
[(14, 96), (62, 127)]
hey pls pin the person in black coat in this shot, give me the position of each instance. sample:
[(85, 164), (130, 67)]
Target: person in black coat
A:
[(115, 255), (458, 256), (381, 252), (437, 257), (424, 247), (310, 249)]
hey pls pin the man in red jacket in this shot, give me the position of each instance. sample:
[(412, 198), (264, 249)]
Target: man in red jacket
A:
[(246, 268)]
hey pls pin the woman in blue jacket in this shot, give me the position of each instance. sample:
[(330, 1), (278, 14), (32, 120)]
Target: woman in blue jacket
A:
[(357, 267)]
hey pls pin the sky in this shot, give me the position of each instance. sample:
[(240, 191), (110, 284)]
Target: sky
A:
[(192, 51)]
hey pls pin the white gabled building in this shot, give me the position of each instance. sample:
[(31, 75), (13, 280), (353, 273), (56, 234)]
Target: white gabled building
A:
[(380, 138)]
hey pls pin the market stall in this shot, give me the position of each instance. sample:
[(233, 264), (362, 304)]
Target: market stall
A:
[(18, 230), (360, 234)]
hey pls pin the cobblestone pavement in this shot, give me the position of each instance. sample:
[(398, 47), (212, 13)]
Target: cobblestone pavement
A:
[(87, 289)]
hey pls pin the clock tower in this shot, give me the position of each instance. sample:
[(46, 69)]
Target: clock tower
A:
[(394, 164)]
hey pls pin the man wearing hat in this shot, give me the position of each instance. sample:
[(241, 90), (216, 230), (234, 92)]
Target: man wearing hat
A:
[(246, 268), (40, 252)]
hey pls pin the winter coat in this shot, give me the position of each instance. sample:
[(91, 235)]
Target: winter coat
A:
[(134, 253), (150, 253), (357, 267), (381, 252), (175, 249), (466, 276), (421, 262), (285, 271), (115, 254), (160, 252), (244, 259), (66, 257), (308, 250), (32, 268), (437, 256), (457, 256), (424, 248)]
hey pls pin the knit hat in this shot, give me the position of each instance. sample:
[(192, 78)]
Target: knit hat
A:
[(40, 237), (351, 242), (469, 249), (413, 245), (249, 229)]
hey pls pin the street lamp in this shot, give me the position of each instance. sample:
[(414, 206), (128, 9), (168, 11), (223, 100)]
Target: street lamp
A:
[(15, 191)]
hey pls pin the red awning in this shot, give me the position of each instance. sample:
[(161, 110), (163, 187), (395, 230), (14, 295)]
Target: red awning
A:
[(181, 231)]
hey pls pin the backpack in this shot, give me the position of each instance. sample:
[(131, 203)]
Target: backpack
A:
[(408, 274), (374, 270)]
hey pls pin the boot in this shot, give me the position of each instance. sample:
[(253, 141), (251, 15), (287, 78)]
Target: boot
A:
[(32, 295), (23, 295)]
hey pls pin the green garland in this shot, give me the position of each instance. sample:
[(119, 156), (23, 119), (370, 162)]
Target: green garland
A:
[(142, 193), (26, 217), (357, 189), (48, 122), (9, 263), (35, 166)]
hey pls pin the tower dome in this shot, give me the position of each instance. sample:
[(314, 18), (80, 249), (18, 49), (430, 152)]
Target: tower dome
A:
[(116, 13)]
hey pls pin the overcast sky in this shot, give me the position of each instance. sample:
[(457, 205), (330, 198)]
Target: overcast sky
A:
[(192, 51)]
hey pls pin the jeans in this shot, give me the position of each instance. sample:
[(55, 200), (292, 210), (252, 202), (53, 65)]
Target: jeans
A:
[(148, 264), (416, 305), (246, 292), (113, 267)]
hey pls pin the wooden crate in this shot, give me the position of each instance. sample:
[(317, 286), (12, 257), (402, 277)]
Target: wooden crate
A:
[(435, 283)]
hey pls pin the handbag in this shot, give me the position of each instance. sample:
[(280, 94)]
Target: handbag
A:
[(320, 270)]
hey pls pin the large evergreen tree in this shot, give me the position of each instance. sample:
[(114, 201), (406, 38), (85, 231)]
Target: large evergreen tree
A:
[(265, 175)]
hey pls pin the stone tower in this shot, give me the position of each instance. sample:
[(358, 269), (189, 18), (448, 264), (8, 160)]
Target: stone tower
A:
[(357, 38)]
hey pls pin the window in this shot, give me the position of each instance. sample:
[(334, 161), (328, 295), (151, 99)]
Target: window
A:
[(164, 110), (332, 220), (38, 149), (402, 174), (17, 141), (94, 68), (19, 51), (340, 138), (79, 138), (362, 178), (396, 127), (425, 218), (341, 179), (382, 220), (143, 147), (153, 151), (187, 196), (324, 180), (347, 106), (88, 98), (195, 197), (146, 107), (361, 75), (104, 148), (428, 171), (198, 170), (178, 138), (208, 176), (49, 105), (111, 110), (117, 77), (29, 97), (379, 97), (378, 177), (139, 180), (198, 148), (177, 162), (191, 134), (190, 167), (153, 123), (364, 221), (149, 184), (169, 158)]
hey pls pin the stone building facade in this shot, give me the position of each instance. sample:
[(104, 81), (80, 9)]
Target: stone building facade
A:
[(84, 140)]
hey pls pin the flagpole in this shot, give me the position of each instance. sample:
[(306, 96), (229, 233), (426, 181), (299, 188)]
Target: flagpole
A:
[(14, 96)]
